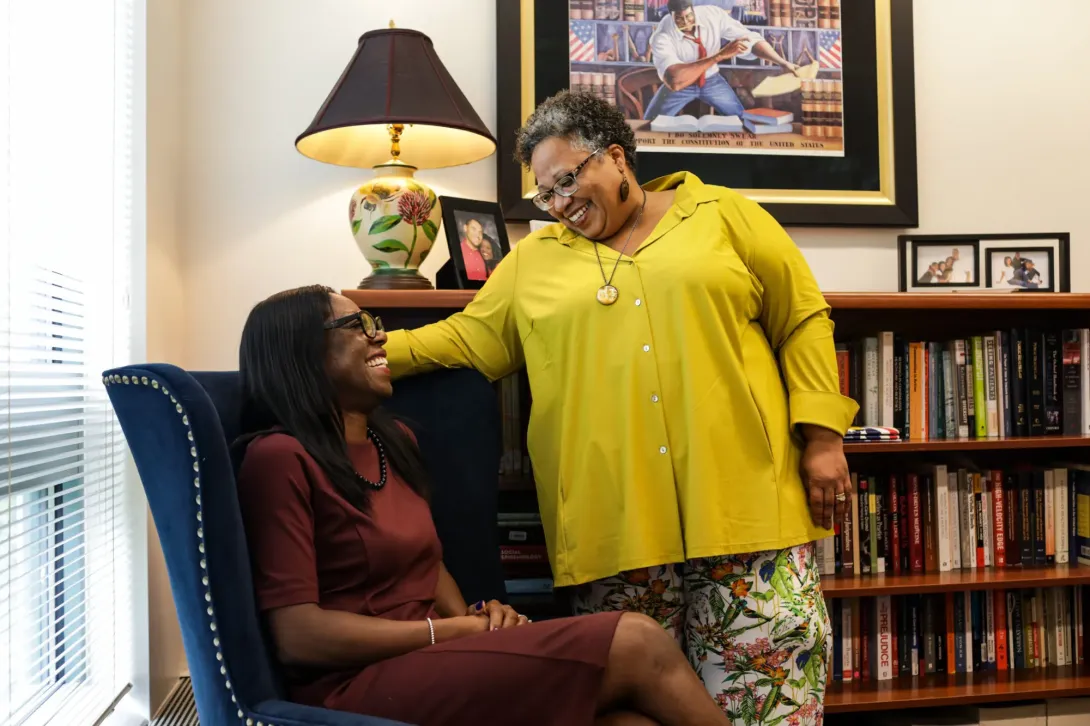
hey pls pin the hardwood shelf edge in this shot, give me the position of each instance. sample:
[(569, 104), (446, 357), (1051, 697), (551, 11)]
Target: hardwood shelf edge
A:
[(1006, 442), (1008, 578), (941, 689)]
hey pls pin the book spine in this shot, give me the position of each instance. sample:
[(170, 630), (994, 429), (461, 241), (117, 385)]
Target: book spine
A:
[(991, 375), (963, 389), (916, 524), (1050, 517), (954, 520), (978, 517), (1084, 379), (881, 526), (905, 525), (999, 521), (886, 379), (1071, 399), (968, 520), (864, 540), (848, 530), (1017, 388), (950, 633), (1002, 647), (871, 395), (960, 661), (899, 396), (1003, 357), (1035, 383), (1011, 519), (1060, 504), (855, 380), (930, 528), (942, 507), (928, 627), (933, 401), (846, 637), (884, 639), (988, 603), (980, 407), (895, 515), (1038, 515), (1025, 509), (1053, 383), (1018, 635), (949, 394), (917, 422)]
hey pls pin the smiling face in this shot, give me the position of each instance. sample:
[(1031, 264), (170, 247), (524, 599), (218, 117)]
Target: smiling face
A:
[(685, 20), (595, 209), (474, 232), (355, 363)]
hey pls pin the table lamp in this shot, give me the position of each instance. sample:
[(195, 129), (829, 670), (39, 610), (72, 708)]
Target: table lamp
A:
[(396, 109)]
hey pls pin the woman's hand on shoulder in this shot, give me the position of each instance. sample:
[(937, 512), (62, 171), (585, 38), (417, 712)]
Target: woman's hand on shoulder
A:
[(499, 615)]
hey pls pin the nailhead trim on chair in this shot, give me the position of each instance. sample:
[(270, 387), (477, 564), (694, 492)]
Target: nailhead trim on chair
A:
[(155, 385)]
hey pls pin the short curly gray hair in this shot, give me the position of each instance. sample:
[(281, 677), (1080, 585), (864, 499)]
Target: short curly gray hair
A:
[(585, 120)]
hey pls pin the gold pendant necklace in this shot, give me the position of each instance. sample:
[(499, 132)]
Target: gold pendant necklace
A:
[(607, 294)]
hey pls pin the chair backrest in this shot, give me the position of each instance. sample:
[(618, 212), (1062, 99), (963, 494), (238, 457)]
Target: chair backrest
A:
[(179, 427)]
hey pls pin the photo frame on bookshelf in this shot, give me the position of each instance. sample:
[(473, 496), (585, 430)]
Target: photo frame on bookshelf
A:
[(476, 237), (1031, 262), (811, 138)]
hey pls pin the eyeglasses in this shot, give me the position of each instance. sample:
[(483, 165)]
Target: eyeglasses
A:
[(565, 186), (368, 323)]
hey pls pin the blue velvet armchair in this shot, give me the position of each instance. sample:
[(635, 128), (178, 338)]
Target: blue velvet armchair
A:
[(179, 427)]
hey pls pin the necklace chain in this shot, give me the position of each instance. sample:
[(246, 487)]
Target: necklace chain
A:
[(381, 463), (609, 282)]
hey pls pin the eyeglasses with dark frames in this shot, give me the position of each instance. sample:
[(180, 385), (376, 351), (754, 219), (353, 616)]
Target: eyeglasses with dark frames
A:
[(368, 323), (565, 186)]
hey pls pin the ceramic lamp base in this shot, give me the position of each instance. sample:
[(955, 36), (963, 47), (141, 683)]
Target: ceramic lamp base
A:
[(395, 279)]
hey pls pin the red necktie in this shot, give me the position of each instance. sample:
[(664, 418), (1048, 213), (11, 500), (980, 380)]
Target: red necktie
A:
[(701, 53)]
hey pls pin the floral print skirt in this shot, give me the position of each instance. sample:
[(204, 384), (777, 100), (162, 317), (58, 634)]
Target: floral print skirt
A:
[(754, 626)]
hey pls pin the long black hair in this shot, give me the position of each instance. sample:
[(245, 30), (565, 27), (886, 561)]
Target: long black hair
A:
[(285, 386)]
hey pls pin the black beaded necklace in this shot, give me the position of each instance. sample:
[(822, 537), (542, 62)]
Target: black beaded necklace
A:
[(381, 463)]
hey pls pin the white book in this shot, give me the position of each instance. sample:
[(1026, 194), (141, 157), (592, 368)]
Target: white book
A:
[(1000, 380), (871, 409), (1084, 377), (954, 523), (819, 555), (885, 638), (942, 509), (706, 124), (1063, 517), (990, 403), (885, 352)]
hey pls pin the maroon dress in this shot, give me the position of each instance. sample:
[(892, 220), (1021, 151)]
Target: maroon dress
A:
[(309, 545)]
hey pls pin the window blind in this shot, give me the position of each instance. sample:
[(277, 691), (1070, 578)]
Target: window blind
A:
[(65, 279)]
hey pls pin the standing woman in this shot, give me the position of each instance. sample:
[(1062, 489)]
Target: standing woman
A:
[(686, 428)]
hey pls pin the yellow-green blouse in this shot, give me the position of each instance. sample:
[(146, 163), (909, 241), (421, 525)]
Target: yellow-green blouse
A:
[(661, 427)]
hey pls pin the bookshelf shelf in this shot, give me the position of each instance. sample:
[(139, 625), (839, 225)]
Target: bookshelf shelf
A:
[(458, 299), (999, 442), (840, 586), (962, 689)]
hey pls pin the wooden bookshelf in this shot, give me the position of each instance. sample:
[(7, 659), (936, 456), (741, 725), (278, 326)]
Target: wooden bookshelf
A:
[(956, 581), (962, 689), (922, 316)]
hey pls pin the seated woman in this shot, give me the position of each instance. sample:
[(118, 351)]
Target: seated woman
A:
[(348, 568)]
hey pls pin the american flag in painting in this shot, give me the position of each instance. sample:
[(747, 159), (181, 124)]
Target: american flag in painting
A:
[(829, 40), (581, 42)]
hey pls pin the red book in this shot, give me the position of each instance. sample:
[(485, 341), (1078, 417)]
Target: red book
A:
[(1000, 630), (999, 522), (894, 527), (951, 663), (915, 528)]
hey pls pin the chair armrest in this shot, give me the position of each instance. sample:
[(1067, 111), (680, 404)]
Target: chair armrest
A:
[(283, 713)]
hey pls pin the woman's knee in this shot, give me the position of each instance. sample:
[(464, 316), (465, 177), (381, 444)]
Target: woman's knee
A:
[(639, 635)]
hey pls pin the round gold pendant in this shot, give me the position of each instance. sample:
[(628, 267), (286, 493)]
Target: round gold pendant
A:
[(607, 294)]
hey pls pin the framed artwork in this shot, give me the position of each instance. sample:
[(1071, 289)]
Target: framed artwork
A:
[(986, 262), (476, 237), (797, 113)]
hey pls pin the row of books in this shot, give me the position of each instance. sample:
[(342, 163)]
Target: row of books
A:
[(1021, 382), (885, 637), (942, 518), (601, 85)]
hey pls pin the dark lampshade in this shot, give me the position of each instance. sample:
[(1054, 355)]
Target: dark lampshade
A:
[(395, 77)]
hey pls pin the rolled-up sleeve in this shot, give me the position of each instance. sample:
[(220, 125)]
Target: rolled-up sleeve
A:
[(484, 336), (663, 51), (794, 315)]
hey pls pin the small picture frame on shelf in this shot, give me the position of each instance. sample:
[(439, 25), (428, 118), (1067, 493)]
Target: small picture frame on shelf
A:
[(1035, 262), (476, 237)]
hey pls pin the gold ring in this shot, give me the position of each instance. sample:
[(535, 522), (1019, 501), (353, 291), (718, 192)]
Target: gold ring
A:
[(841, 497)]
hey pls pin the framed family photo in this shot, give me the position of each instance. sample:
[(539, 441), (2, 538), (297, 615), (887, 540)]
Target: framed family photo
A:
[(796, 114), (476, 237), (1035, 262)]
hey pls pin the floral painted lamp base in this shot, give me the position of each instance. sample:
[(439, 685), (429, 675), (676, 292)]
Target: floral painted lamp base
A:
[(395, 220)]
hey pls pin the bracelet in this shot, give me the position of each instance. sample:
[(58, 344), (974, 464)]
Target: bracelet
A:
[(431, 630)]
